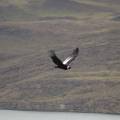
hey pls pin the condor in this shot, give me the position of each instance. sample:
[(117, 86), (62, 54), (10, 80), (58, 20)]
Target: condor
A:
[(66, 63)]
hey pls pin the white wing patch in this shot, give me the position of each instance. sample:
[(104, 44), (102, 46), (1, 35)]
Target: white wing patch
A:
[(67, 60)]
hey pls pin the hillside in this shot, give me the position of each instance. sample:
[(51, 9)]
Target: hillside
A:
[(12, 10), (28, 79)]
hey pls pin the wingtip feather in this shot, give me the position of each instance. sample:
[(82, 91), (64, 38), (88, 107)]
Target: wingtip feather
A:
[(51, 53), (76, 51)]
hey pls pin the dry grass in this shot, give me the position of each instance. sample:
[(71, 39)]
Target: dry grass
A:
[(28, 79)]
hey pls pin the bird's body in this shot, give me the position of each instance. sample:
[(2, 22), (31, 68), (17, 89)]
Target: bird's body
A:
[(66, 63), (65, 67)]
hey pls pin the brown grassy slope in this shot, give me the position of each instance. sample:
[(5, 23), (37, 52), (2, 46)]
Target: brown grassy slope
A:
[(27, 74), (35, 9), (28, 79)]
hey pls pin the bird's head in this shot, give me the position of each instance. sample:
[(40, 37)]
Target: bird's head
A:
[(68, 67)]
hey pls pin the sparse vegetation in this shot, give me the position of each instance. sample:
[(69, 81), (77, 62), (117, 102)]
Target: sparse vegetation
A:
[(28, 79)]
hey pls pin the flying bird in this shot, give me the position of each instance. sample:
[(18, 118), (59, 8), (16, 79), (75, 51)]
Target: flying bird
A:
[(66, 63)]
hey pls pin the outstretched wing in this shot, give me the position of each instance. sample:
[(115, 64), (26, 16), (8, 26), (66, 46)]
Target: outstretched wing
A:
[(55, 59), (69, 59)]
